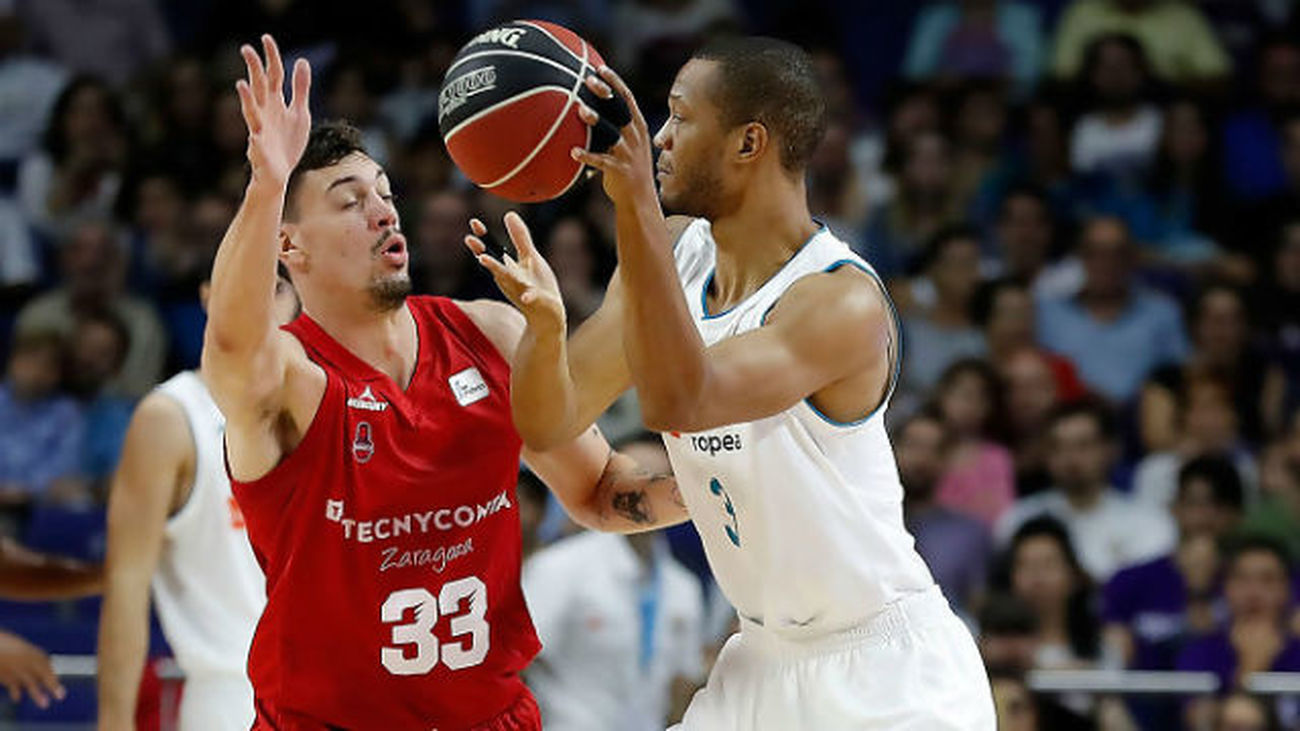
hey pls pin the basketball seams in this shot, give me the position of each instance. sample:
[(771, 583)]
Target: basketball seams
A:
[(488, 110), (530, 55), (558, 42), (559, 119)]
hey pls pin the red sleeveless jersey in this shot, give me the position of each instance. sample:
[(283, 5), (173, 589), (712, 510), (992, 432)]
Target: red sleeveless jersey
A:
[(390, 542)]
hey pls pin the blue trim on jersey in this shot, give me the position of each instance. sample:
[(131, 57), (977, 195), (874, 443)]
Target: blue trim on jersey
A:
[(704, 293), (898, 351)]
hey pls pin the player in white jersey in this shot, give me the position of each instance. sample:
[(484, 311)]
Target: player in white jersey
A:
[(173, 526), (769, 379)]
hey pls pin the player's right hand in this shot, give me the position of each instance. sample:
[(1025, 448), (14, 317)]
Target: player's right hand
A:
[(277, 131), (25, 668), (528, 283)]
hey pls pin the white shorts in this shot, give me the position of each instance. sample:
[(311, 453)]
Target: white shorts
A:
[(912, 667), (217, 703)]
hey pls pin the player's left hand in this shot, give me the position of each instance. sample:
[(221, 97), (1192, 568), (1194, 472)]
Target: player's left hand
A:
[(628, 167), (528, 282), (24, 668)]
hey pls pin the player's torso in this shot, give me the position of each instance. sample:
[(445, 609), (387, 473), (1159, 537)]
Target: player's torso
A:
[(391, 540), (801, 517), (208, 589)]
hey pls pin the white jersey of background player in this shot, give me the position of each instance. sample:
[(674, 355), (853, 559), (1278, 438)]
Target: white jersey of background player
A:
[(174, 526), (768, 379)]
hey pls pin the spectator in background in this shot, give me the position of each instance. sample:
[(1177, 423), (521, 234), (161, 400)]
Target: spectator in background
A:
[(1209, 427), (1173, 34), (441, 264), (981, 162), (1151, 607), (20, 265), (1046, 157), (937, 323), (1032, 392), (621, 625), (1024, 235), (1255, 165), (1117, 137), (533, 496), (835, 191), (1044, 572), (1014, 702), (94, 272), (1264, 221), (1245, 712), (925, 201), (910, 110), (1004, 310), (574, 256), (229, 140), (1255, 637), (1112, 314), (980, 478), (98, 349), (29, 85), (1277, 513), (76, 174), (42, 431), (113, 40), (999, 39), (163, 257), (181, 141), (1278, 305), (1109, 530), (351, 94), (955, 546)]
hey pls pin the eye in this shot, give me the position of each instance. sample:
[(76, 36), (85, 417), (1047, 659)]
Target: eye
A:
[(388, 197), (351, 203)]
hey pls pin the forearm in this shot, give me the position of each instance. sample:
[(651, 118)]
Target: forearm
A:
[(631, 499), (664, 350), (123, 646), (542, 394), (46, 578), (240, 305)]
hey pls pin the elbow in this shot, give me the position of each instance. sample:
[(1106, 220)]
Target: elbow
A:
[(664, 415)]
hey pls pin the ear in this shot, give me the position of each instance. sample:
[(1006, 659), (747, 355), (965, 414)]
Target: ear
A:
[(752, 143)]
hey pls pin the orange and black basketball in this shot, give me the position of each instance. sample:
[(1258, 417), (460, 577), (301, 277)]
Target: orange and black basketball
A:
[(508, 109)]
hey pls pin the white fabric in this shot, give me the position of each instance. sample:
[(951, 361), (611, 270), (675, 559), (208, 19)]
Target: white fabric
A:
[(1097, 145), (584, 597), (217, 703), (18, 263), (208, 590), (1114, 533), (913, 667), (801, 518), (28, 89)]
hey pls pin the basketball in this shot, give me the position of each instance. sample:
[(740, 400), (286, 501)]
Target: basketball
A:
[(508, 109)]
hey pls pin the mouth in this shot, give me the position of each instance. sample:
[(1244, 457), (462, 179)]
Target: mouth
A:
[(392, 248)]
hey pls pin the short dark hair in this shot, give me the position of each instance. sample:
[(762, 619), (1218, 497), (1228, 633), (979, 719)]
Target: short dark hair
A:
[(1222, 476), (772, 82), (1090, 407), (328, 143), (1258, 543), (110, 320), (1025, 190), (986, 297), (941, 239)]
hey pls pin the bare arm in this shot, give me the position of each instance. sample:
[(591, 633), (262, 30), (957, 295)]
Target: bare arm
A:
[(28, 575), (157, 461)]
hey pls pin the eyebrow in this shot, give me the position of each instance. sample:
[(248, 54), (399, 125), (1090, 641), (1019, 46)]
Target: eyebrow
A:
[(381, 173)]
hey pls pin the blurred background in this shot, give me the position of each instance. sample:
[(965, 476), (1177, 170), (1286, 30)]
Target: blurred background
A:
[(1088, 213)]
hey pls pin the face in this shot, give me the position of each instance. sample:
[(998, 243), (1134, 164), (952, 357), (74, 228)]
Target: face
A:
[(1277, 476), (921, 457), (982, 119), (345, 239), (159, 206), (1241, 713), (35, 371), (692, 145), (1015, 706), (88, 118), (1279, 75), (913, 115), (1025, 232), (966, 404), (1117, 76), (955, 271), (96, 355), (1080, 456), (1041, 574), (1012, 319), (1031, 391), (1198, 514), (92, 262), (1210, 420), (928, 167), (1186, 138), (1221, 324), (1257, 587), (1107, 257), (350, 99), (188, 87)]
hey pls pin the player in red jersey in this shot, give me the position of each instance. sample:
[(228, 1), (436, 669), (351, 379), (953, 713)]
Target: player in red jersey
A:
[(371, 446)]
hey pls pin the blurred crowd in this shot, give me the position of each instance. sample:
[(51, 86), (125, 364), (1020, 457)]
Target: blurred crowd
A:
[(1087, 211)]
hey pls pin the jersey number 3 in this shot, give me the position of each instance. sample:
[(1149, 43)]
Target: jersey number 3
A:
[(471, 625)]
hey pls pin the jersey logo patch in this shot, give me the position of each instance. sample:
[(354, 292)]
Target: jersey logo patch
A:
[(363, 447), (468, 386), (334, 510), (367, 402)]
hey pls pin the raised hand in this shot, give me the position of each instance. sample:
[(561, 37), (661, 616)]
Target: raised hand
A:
[(628, 167), (528, 283), (277, 131)]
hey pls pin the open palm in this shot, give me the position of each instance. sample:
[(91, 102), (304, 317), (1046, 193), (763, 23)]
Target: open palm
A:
[(527, 282), (277, 131)]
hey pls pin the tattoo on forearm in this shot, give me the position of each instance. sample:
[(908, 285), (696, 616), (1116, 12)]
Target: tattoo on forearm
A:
[(632, 504), (630, 496)]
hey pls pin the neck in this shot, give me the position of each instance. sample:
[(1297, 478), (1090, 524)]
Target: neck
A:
[(949, 313), (768, 228), (1085, 498), (384, 340)]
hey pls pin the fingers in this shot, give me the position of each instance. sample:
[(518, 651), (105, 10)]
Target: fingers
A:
[(274, 67), (598, 87), (477, 227), (594, 159), (35, 692), (616, 82), (520, 235), (301, 83), (45, 677), (476, 245), (256, 74), (588, 115), (248, 107)]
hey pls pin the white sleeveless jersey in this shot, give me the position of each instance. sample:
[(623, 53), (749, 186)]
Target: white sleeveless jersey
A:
[(801, 516), (208, 590)]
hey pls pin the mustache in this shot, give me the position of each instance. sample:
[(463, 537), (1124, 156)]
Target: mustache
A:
[(383, 239)]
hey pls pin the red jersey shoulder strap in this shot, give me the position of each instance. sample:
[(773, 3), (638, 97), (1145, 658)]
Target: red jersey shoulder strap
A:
[(446, 315)]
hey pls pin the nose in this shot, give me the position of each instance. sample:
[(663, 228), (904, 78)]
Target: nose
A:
[(382, 213), (662, 138)]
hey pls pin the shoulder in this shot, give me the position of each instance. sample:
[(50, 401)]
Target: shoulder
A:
[(845, 294), (159, 425), (502, 324)]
